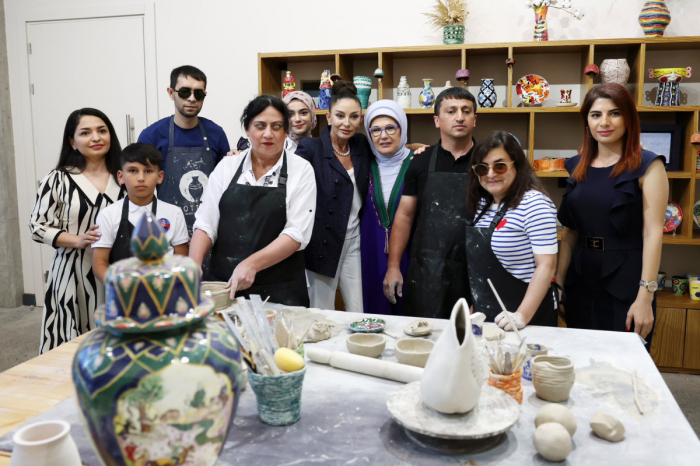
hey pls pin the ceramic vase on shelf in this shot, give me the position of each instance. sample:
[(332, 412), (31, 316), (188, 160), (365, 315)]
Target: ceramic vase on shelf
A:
[(404, 93), (453, 34), (427, 96), (614, 71), (669, 93), (364, 88), (541, 33), (654, 18), (453, 376), (158, 381), (288, 83), (487, 93), (324, 95)]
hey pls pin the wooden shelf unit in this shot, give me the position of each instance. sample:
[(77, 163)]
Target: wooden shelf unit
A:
[(562, 63), (676, 343)]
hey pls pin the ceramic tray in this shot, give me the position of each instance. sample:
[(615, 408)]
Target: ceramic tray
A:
[(495, 414), (532, 89), (368, 325), (674, 217)]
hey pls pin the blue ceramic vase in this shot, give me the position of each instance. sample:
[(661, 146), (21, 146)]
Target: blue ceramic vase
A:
[(487, 94), (158, 382), (426, 99)]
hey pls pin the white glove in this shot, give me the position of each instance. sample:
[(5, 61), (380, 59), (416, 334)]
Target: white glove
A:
[(503, 322)]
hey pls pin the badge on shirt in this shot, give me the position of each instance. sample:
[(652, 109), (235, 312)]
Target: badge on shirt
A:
[(165, 223)]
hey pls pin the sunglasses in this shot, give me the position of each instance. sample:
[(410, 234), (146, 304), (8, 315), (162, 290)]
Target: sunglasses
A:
[(499, 168), (376, 131), (186, 92)]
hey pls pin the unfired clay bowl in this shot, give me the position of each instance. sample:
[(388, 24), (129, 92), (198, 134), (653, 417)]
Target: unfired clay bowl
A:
[(413, 351), (366, 344), (553, 377), (220, 295)]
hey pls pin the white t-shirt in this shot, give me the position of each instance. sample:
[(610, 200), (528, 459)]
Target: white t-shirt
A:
[(300, 198), (354, 220), (529, 229), (169, 216)]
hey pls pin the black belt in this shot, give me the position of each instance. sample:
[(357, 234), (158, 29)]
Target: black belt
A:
[(610, 243)]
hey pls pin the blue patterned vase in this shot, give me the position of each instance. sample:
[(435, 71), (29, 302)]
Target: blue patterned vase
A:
[(426, 99), (487, 94), (158, 382)]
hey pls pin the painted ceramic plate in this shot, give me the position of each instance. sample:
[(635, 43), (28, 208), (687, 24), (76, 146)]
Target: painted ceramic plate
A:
[(696, 213), (368, 325), (532, 89), (674, 217)]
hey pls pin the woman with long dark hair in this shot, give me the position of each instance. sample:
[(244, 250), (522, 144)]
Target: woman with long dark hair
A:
[(512, 239), (613, 214), (69, 198)]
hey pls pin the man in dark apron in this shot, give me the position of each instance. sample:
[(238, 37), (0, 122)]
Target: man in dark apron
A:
[(434, 195)]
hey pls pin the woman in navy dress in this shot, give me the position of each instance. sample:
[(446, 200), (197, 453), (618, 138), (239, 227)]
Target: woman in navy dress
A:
[(387, 127), (613, 214)]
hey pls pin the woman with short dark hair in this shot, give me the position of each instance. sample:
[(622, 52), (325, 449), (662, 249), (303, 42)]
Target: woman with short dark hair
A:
[(512, 240), (83, 183), (613, 215), (257, 212)]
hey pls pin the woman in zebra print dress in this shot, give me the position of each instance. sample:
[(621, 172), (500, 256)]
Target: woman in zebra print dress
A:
[(66, 207)]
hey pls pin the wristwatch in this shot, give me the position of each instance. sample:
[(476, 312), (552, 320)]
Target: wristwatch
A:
[(651, 286)]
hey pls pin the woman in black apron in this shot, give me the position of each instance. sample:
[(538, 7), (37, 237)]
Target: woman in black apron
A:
[(512, 240), (257, 211)]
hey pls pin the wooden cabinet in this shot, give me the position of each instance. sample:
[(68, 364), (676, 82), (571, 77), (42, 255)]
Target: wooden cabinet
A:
[(676, 343)]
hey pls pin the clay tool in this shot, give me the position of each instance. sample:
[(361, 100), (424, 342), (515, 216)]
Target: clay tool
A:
[(512, 324), (234, 329), (364, 365), (636, 395), (307, 331)]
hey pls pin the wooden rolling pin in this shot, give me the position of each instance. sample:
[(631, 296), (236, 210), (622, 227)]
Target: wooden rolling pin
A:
[(365, 365)]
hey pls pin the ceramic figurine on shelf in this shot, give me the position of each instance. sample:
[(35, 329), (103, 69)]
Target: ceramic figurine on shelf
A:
[(449, 15), (404, 93), (448, 84), (669, 94), (541, 8), (510, 62), (592, 70), (462, 76), (453, 376), (364, 89), (695, 140), (379, 74), (654, 18), (335, 77), (427, 96), (288, 84), (487, 94), (324, 99), (160, 379), (614, 71)]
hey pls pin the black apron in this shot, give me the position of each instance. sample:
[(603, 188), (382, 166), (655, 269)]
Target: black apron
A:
[(437, 276), (251, 218), (483, 264), (187, 171), (121, 248)]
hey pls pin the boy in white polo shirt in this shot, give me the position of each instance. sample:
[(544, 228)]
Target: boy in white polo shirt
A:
[(140, 173)]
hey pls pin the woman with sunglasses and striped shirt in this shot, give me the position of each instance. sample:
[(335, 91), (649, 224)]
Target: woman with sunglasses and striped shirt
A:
[(512, 239)]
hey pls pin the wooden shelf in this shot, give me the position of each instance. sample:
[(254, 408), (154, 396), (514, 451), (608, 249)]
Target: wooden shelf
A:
[(558, 174), (666, 298)]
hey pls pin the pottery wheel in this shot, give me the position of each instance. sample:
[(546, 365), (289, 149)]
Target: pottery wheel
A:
[(495, 413)]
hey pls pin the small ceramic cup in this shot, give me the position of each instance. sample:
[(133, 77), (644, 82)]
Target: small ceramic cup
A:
[(680, 285), (553, 377), (533, 349), (279, 397), (695, 290), (511, 384), (661, 280), (47, 442), (565, 96), (271, 316)]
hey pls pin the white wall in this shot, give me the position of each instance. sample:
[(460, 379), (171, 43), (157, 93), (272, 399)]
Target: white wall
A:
[(223, 38)]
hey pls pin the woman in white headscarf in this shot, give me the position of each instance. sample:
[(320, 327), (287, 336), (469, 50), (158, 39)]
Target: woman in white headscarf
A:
[(302, 118), (387, 129)]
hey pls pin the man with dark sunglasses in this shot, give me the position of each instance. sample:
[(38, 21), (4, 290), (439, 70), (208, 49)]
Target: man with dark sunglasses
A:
[(191, 145)]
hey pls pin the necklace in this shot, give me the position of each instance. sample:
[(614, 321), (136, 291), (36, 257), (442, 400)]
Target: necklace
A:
[(342, 154)]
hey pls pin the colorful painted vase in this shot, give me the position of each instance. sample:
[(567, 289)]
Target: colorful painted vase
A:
[(453, 34), (694, 287), (364, 89), (511, 384), (404, 93), (487, 94), (324, 95), (669, 94), (426, 99), (565, 96), (661, 280), (541, 33), (288, 83), (614, 71), (654, 18), (158, 382), (680, 285)]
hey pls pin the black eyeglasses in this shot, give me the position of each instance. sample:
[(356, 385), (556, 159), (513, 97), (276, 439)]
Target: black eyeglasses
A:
[(499, 168), (186, 92), (376, 131)]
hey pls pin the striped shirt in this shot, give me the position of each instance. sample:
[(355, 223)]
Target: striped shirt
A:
[(529, 229)]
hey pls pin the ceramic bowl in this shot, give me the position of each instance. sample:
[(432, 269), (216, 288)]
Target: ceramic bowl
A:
[(365, 344), (413, 351), (553, 377), (220, 295)]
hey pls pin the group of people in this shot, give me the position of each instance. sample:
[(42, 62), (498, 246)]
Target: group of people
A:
[(400, 232)]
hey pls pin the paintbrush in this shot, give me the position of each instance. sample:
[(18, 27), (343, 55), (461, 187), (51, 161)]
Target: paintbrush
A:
[(510, 319)]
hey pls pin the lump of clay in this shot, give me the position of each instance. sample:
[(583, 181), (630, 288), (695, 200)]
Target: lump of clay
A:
[(559, 414), (607, 427), (319, 331), (553, 441)]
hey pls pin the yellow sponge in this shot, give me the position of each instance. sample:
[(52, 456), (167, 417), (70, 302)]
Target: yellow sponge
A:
[(288, 360)]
